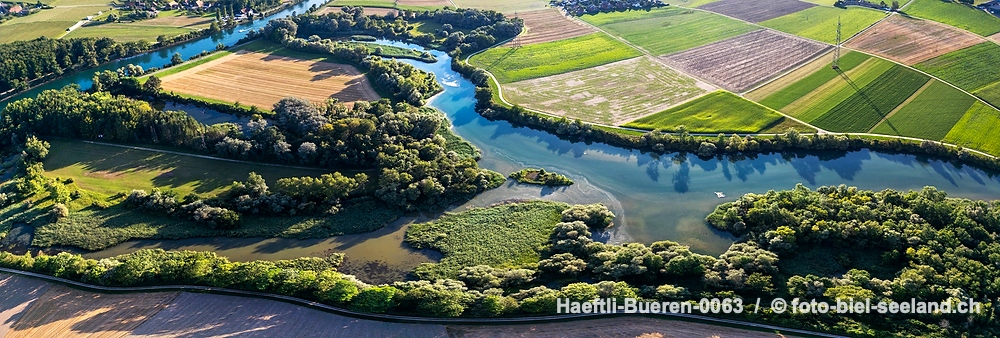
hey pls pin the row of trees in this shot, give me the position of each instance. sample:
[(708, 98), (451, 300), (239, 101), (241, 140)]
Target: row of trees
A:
[(24, 61)]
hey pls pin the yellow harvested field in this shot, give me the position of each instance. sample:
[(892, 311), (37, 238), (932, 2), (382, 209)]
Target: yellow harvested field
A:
[(550, 25), (18, 294), (65, 312), (261, 80), (794, 76), (912, 41)]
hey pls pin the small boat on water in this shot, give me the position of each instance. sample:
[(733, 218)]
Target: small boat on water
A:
[(719, 194)]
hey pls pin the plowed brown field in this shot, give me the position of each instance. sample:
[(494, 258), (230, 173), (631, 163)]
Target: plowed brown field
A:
[(738, 63), (262, 80), (65, 312), (911, 41), (550, 25), (756, 11)]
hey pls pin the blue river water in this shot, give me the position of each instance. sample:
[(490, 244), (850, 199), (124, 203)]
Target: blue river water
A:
[(656, 197)]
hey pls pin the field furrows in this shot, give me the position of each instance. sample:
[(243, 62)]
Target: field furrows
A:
[(610, 94), (262, 80), (741, 62), (865, 108), (66, 312), (18, 294), (911, 41), (756, 11), (425, 3), (550, 25)]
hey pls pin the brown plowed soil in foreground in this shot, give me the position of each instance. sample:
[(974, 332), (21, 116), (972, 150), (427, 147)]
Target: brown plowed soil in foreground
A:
[(550, 25), (65, 312), (262, 80), (756, 11), (912, 41)]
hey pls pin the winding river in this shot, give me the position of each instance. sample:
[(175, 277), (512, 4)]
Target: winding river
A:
[(655, 197)]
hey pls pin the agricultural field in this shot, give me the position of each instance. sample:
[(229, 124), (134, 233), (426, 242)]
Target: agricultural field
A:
[(756, 11), (18, 294), (739, 63), (368, 10), (262, 79), (978, 129), (717, 112), (109, 170), (63, 311), (610, 94), (820, 23), (669, 30), (363, 3), (783, 91), (827, 95), (930, 114), (866, 107), (972, 68), (51, 23), (955, 14), (125, 32), (994, 37), (911, 41), (552, 58), (990, 93), (505, 6), (550, 25), (687, 3)]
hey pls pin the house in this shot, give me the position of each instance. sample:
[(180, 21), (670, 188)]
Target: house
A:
[(16, 10), (173, 5), (199, 4)]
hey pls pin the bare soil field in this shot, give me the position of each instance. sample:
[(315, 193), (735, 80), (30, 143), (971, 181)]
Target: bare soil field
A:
[(207, 315), (794, 76), (994, 37), (756, 11), (611, 94), (550, 25), (911, 41), (262, 80), (65, 312), (18, 294), (610, 327), (739, 63)]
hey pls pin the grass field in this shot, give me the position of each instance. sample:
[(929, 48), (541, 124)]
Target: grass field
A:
[(125, 32), (51, 23), (930, 115), (506, 6), (825, 97), (717, 112), (971, 68), (688, 3), (187, 65), (820, 23), (551, 58), (109, 170), (610, 94), (865, 108), (261, 74), (364, 3), (990, 93), (664, 31), (978, 129), (497, 235), (955, 14), (800, 82), (910, 41)]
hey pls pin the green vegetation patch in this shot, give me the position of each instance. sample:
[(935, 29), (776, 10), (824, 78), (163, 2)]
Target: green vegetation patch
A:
[(930, 115), (832, 93), (688, 3), (186, 65), (506, 234), (971, 68), (669, 30), (540, 177), (126, 32), (717, 112), (551, 58), (820, 23), (863, 110), (955, 14), (364, 3), (804, 86), (990, 93), (978, 129)]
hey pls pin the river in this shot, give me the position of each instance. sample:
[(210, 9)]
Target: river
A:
[(655, 197)]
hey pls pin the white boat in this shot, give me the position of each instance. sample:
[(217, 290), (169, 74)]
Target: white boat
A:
[(720, 194)]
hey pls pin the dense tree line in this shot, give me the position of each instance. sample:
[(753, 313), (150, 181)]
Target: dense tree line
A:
[(24, 61), (540, 177)]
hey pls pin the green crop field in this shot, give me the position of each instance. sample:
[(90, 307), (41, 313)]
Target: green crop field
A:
[(930, 115), (126, 32), (688, 3), (664, 31), (990, 93), (551, 58), (803, 86), (368, 3), (109, 170), (820, 23), (506, 6), (955, 14), (825, 97), (971, 68), (978, 129), (864, 109), (717, 112), (497, 235), (51, 23)]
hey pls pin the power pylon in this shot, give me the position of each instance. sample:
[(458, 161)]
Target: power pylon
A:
[(517, 38), (836, 49)]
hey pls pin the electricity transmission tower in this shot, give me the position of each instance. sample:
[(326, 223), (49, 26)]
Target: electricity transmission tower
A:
[(836, 49), (517, 38)]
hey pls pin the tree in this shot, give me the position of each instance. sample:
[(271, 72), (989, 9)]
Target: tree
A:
[(152, 85), (297, 116), (35, 149), (176, 59)]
